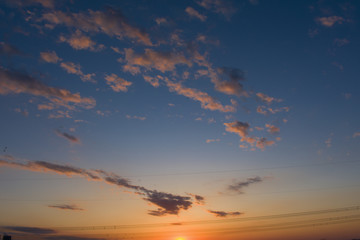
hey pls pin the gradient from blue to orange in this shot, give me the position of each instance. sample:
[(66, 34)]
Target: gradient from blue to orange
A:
[(185, 120)]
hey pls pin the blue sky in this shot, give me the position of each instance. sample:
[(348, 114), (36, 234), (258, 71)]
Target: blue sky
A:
[(176, 101)]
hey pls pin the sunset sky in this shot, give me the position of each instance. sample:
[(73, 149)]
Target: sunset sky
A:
[(179, 120)]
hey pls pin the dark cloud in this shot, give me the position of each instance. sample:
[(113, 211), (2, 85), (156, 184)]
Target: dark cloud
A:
[(238, 186), (167, 203), (33, 230), (232, 84), (66, 207), (198, 199), (67, 136), (225, 214), (8, 49), (61, 237)]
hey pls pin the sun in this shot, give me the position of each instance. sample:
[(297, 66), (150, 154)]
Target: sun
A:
[(180, 238)]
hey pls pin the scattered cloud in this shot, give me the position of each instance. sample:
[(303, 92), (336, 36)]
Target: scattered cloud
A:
[(24, 3), (219, 6), (25, 112), (111, 22), (166, 203), (200, 200), (62, 237), (341, 42), (330, 21), (231, 85), (212, 140), (207, 102), (117, 83), (195, 14), (152, 80), (50, 57), (9, 50), (272, 129), (225, 214), (79, 41), (66, 207), (68, 137), (267, 99), (356, 134), (73, 68), (33, 230), (160, 21), (142, 118), (151, 59), (238, 186), (14, 82)]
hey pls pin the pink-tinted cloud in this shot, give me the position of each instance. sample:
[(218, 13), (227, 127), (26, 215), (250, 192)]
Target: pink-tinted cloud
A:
[(79, 41), (152, 80), (151, 59), (195, 14), (219, 6), (50, 57), (263, 142), (207, 102), (73, 68), (212, 140), (12, 82), (272, 129), (117, 83), (330, 21), (111, 22), (267, 99)]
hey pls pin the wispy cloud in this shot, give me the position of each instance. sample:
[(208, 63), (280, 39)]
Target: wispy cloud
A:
[(111, 22), (212, 140), (68, 137), (219, 6), (33, 230), (14, 82), (142, 118), (330, 21), (356, 134), (223, 214), (272, 129), (166, 203), (66, 207), (8, 49), (239, 185), (151, 59), (73, 68), (117, 83), (267, 99), (193, 13)]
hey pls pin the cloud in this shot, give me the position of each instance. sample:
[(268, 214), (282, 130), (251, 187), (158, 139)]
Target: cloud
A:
[(24, 3), (238, 186), (111, 22), (160, 21), (153, 81), (8, 49), (62, 237), (225, 214), (68, 137), (240, 128), (117, 83), (219, 6), (66, 207), (33, 230), (207, 102), (50, 57), (330, 21), (73, 68), (25, 112), (200, 200), (212, 140), (166, 203), (356, 134), (193, 13), (267, 110), (79, 41), (341, 42), (136, 117), (261, 143), (151, 59), (266, 99), (13, 82), (272, 129)]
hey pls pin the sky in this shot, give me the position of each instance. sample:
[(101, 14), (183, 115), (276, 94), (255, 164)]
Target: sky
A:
[(179, 120)]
